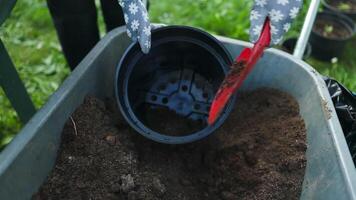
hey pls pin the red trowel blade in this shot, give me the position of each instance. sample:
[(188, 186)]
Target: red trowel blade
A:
[(238, 73), (228, 86)]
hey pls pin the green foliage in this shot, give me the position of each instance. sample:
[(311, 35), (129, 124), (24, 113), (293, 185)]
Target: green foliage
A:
[(344, 7), (342, 69), (30, 37), (31, 41), (328, 29), (229, 18)]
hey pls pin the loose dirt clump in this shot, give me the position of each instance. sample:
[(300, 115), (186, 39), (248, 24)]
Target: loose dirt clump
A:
[(259, 153)]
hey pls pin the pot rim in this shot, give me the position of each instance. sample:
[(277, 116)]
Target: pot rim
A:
[(327, 5)]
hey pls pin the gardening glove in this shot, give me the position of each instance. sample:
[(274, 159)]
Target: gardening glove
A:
[(281, 14), (137, 23)]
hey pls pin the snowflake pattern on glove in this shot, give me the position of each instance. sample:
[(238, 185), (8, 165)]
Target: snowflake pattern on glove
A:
[(137, 23), (281, 14)]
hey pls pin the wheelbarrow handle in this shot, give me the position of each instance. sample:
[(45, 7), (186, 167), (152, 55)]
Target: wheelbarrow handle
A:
[(306, 30)]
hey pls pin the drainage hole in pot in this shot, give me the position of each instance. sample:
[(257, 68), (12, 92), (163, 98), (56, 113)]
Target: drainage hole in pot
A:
[(184, 88), (205, 95), (165, 100)]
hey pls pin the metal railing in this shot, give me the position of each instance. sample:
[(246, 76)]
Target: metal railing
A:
[(9, 78)]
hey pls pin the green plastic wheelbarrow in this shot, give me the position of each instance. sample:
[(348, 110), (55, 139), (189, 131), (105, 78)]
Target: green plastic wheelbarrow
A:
[(330, 173)]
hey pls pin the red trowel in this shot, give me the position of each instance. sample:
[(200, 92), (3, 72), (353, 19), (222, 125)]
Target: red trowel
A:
[(239, 70)]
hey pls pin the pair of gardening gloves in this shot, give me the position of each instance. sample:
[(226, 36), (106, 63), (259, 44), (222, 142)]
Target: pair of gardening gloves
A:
[(280, 12)]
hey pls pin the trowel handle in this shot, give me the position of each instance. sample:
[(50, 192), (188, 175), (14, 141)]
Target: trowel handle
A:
[(251, 55)]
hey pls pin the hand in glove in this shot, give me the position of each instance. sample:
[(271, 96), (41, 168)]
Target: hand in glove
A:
[(137, 23), (281, 14)]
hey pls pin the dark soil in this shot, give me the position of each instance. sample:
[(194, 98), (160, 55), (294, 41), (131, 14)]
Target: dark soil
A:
[(173, 127), (331, 29), (343, 5), (230, 80), (234, 73), (259, 153)]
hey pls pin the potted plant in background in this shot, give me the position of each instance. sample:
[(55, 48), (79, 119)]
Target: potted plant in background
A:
[(346, 7), (331, 32)]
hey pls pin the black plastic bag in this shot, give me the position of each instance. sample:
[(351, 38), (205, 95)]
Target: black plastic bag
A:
[(345, 104)]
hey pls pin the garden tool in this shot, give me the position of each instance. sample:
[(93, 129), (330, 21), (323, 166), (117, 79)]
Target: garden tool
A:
[(240, 69)]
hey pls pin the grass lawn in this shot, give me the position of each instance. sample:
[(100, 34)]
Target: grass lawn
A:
[(30, 37)]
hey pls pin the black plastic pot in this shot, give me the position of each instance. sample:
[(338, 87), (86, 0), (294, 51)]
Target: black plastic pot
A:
[(181, 73), (328, 7), (289, 45), (325, 48)]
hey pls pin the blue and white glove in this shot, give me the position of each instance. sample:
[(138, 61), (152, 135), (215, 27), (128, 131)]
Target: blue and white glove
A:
[(137, 22), (281, 14)]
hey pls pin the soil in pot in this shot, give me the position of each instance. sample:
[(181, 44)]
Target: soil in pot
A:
[(259, 153), (343, 5), (174, 128), (331, 29), (330, 34)]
